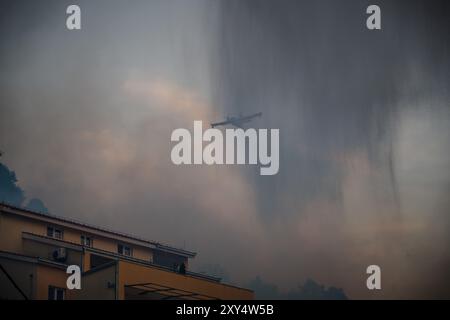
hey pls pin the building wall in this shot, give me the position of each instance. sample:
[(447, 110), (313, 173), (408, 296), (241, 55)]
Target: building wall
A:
[(23, 274), (36, 277), (98, 285), (12, 226), (50, 276), (111, 246), (43, 250)]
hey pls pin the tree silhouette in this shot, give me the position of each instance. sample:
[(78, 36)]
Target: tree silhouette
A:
[(10, 192)]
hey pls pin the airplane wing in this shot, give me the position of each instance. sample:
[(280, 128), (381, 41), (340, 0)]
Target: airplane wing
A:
[(237, 122), (219, 124)]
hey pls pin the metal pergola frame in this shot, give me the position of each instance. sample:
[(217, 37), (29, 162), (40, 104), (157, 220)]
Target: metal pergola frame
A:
[(168, 292)]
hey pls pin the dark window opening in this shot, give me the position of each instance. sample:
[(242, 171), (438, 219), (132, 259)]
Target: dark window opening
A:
[(124, 250), (86, 241), (55, 293), (55, 233), (97, 261)]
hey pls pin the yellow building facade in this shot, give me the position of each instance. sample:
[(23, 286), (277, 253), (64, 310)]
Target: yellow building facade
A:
[(37, 248)]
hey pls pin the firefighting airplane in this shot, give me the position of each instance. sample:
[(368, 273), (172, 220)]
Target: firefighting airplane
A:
[(237, 121)]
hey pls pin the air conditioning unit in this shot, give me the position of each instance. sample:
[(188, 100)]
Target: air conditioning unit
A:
[(60, 254)]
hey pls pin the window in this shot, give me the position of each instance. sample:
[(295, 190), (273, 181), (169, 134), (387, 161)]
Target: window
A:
[(55, 233), (55, 293), (86, 241), (124, 250)]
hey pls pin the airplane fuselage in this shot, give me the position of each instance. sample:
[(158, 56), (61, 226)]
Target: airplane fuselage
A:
[(236, 121)]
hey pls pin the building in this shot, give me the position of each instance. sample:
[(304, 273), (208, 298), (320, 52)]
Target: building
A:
[(37, 248)]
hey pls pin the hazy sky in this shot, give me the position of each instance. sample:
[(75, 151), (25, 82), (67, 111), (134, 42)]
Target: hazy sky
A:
[(364, 118)]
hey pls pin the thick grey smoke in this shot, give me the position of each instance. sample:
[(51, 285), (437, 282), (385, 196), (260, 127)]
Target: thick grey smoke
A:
[(86, 118)]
